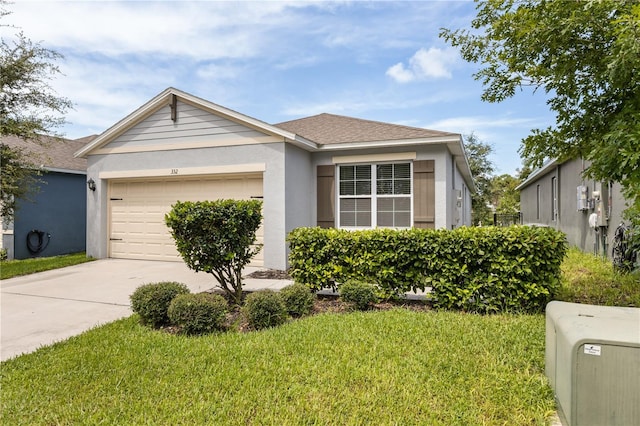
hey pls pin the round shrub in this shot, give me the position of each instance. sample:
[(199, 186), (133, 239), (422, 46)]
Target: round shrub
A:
[(298, 299), (264, 309), (198, 313), (151, 301), (362, 295)]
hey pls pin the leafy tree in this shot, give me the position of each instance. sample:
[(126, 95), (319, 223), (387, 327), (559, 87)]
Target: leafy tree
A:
[(523, 173), (217, 237), (29, 109), (482, 169), (504, 196), (18, 179), (586, 56)]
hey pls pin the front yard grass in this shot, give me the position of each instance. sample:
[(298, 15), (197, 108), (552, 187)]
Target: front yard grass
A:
[(377, 367), (382, 367), (14, 268)]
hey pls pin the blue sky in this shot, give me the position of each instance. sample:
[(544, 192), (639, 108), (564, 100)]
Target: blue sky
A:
[(276, 61)]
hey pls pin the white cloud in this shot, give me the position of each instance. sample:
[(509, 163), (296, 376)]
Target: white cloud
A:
[(425, 64), (473, 124), (400, 74), (203, 30)]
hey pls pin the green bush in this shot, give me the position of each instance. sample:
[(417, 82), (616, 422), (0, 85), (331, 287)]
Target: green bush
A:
[(264, 309), (198, 313), (3, 254), (151, 301), (362, 295), (217, 237), (298, 299), (482, 269)]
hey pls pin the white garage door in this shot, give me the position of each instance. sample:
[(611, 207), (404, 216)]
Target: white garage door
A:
[(137, 208)]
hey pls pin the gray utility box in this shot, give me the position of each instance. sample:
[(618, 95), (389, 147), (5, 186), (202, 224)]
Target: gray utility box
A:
[(592, 360)]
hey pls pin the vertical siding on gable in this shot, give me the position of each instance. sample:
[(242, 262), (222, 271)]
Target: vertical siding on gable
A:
[(326, 196), (424, 194)]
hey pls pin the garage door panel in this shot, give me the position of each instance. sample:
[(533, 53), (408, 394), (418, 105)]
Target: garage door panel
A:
[(138, 207)]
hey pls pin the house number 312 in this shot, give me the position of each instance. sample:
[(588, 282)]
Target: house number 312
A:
[(174, 171)]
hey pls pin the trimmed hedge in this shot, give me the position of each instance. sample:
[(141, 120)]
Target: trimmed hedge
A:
[(198, 313), (265, 309), (151, 301), (480, 269), (360, 294), (298, 299)]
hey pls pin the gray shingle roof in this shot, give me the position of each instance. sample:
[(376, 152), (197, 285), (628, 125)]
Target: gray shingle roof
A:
[(52, 153), (327, 129)]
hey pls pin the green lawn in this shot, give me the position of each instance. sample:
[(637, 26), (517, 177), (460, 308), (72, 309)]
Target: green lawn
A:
[(593, 280), (381, 367), (384, 367), (14, 268)]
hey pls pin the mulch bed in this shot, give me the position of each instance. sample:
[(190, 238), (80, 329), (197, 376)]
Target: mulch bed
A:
[(329, 304), (270, 274), (324, 303)]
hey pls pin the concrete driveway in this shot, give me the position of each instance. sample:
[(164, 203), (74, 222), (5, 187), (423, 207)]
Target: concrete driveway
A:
[(43, 308)]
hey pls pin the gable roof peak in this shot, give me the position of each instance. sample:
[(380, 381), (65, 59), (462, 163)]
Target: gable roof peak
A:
[(162, 98)]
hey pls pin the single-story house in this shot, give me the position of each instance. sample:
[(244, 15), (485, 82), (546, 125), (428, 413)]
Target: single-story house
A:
[(51, 220), (558, 195), (325, 170)]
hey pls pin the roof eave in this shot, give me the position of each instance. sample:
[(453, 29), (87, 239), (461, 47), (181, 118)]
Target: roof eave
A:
[(459, 154), (544, 169), (143, 111), (453, 142), (61, 170), (388, 143), (303, 143)]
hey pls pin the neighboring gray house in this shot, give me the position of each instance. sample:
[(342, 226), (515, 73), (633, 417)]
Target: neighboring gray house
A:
[(52, 220), (325, 170), (587, 211)]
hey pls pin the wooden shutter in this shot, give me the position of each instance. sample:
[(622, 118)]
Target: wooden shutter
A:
[(424, 194), (326, 196)]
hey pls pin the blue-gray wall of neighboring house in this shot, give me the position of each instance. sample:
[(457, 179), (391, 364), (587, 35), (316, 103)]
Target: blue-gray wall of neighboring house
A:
[(536, 204), (59, 209)]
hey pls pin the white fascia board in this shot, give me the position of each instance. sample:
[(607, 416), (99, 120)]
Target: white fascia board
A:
[(69, 171), (236, 116), (459, 153), (453, 143), (387, 143), (124, 123), (303, 143), (154, 103)]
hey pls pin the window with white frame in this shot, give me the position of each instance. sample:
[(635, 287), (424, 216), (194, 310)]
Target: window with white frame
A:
[(375, 195)]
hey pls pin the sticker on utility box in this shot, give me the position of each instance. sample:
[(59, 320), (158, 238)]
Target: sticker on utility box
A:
[(592, 349)]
